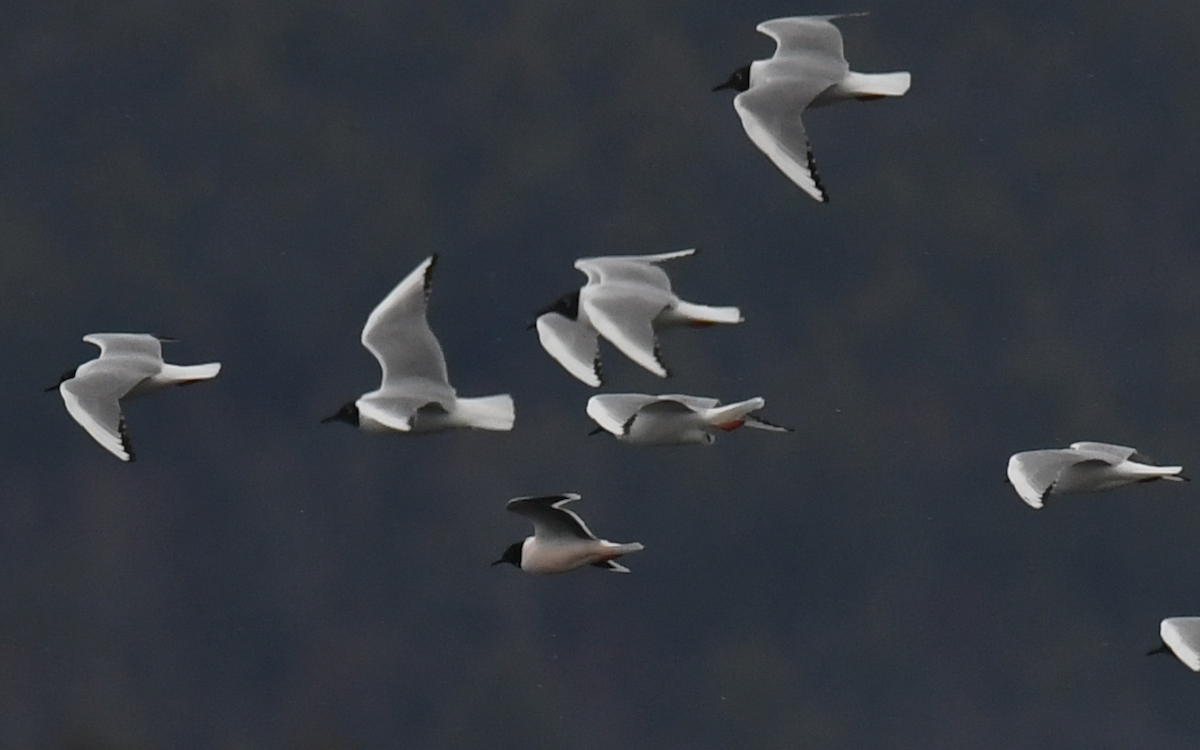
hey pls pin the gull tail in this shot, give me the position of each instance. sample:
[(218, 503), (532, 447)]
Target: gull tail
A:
[(616, 550), (875, 85), (187, 374), (486, 412), (705, 315), (732, 416)]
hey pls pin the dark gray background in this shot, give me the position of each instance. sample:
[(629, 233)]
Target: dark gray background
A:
[(1008, 262)]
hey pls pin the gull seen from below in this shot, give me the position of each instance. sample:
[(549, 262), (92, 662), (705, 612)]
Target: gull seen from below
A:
[(415, 395), (626, 298), (807, 70), (673, 419), (1083, 467), (561, 541), (1181, 636), (129, 365)]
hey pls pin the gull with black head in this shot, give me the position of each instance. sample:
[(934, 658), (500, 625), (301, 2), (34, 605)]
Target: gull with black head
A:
[(129, 365), (625, 300), (561, 541), (808, 70), (416, 395)]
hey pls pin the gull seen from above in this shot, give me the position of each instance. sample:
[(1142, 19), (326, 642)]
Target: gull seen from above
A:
[(673, 419), (1083, 467), (415, 395), (129, 365), (625, 300), (561, 541), (807, 70), (1181, 636)]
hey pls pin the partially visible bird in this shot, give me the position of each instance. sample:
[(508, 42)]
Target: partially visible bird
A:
[(1082, 467), (561, 541), (673, 419), (626, 298), (129, 365), (1181, 636), (807, 70), (415, 395)]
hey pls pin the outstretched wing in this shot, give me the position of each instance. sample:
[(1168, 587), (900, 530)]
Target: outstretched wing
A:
[(399, 336), (549, 518)]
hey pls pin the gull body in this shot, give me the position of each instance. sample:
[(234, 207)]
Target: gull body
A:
[(625, 300), (808, 69), (130, 365), (415, 395), (673, 419), (1181, 636), (561, 541), (1082, 467)]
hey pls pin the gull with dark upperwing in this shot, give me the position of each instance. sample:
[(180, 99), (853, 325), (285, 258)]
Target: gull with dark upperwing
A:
[(415, 395), (673, 419), (625, 300), (807, 70), (561, 541), (1082, 467), (129, 365)]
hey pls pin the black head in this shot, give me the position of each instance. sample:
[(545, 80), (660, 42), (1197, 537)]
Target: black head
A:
[(512, 555), (62, 379), (566, 305), (739, 81), (348, 413)]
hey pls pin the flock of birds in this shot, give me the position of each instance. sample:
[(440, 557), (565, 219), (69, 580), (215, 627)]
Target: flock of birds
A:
[(625, 300)]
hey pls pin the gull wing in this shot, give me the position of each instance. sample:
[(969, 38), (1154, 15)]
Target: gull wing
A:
[(399, 336), (550, 519), (94, 402), (811, 36), (634, 269), (613, 410), (573, 344), (1113, 454), (397, 408), (626, 320), (1033, 473), (770, 115), (115, 344)]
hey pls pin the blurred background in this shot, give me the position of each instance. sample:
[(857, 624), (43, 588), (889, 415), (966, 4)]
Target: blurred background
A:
[(1008, 262)]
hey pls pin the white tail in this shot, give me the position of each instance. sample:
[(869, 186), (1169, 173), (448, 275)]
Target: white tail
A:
[(701, 315), (184, 374), (732, 416), (486, 412), (876, 84)]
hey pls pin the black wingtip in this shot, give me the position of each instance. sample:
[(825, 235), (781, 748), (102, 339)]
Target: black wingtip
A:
[(126, 443), (816, 176), (427, 282)]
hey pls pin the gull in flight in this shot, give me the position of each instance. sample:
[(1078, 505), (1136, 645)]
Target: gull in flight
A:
[(561, 541), (129, 365), (625, 300), (1083, 467), (415, 395), (673, 419), (807, 70)]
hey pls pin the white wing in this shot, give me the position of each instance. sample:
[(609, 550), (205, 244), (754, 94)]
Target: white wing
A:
[(635, 269), (1182, 635), (112, 344), (94, 403), (398, 334), (573, 344), (613, 410), (626, 320)]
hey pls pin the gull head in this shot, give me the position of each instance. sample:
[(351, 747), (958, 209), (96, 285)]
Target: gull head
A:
[(62, 379), (348, 413), (566, 306), (512, 555), (739, 81)]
